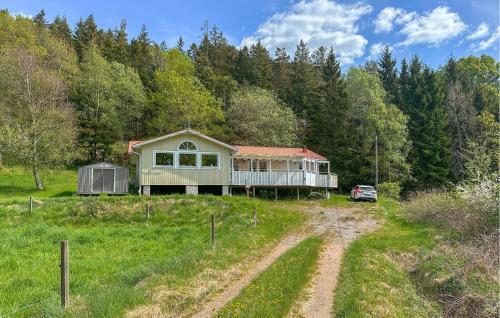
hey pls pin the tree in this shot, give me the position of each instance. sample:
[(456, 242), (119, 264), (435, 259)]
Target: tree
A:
[(388, 74), (304, 85), (60, 29), (109, 99), (36, 121), (180, 44), (141, 57), (39, 20), (462, 125), (261, 66), (371, 119), (85, 35), (258, 117), (180, 95), (282, 74), (121, 47)]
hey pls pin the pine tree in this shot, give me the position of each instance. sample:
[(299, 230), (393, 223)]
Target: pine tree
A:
[(329, 133), (319, 57), (180, 44), (304, 85), (388, 74), (141, 58), (85, 34), (261, 66), (281, 75), (60, 29), (39, 20), (121, 48), (243, 71)]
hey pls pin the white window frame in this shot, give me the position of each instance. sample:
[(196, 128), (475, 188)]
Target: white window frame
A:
[(201, 153), (163, 166), (187, 152)]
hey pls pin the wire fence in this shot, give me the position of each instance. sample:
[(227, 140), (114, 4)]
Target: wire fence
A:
[(244, 220)]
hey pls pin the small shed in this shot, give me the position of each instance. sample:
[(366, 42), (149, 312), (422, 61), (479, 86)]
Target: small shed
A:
[(102, 178)]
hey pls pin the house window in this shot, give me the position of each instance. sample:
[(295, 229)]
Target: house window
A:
[(262, 165), (236, 165), (187, 145), (187, 160), (299, 165), (164, 159), (209, 160), (254, 165)]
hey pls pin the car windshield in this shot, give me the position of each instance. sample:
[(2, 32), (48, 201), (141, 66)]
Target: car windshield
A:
[(367, 188)]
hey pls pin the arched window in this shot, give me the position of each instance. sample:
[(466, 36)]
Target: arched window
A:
[(187, 145)]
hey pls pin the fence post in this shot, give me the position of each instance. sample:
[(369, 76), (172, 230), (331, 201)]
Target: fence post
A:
[(64, 273), (31, 204), (148, 206), (254, 217), (213, 230)]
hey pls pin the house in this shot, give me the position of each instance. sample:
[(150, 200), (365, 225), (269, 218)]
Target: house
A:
[(190, 162)]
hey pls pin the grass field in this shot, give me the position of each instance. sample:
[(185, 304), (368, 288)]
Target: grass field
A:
[(373, 281), (273, 292), (116, 255), (18, 183)]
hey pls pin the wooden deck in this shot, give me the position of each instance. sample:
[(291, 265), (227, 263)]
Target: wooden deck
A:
[(283, 179)]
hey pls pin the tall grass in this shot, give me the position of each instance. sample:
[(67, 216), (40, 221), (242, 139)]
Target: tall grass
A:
[(273, 292), (117, 256)]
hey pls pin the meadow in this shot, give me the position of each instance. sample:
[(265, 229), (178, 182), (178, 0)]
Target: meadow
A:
[(117, 254)]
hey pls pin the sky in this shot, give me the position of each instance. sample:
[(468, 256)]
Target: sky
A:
[(357, 30)]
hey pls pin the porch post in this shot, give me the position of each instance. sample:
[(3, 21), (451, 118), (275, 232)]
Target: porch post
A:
[(269, 172), (287, 171), (276, 194)]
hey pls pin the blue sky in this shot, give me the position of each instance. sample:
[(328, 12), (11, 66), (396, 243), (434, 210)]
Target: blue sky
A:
[(357, 30)]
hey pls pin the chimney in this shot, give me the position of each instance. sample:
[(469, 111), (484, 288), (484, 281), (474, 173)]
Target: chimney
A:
[(304, 149)]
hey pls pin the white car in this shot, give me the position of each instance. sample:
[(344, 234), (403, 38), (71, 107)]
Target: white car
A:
[(363, 192)]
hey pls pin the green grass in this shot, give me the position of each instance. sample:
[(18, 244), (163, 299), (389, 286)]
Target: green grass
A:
[(373, 281), (273, 292), (18, 183), (117, 257)]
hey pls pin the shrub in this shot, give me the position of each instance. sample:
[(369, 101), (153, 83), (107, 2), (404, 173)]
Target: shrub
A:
[(315, 196), (389, 189), (470, 210)]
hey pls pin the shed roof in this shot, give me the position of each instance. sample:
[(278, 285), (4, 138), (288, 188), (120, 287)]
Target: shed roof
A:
[(277, 151), (103, 165)]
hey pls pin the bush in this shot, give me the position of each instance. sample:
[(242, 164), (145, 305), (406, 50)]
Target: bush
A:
[(316, 196), (468, 211), (390, 190)]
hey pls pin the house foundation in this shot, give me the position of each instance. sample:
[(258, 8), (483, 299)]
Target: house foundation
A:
[(146, 190), (192, 189)]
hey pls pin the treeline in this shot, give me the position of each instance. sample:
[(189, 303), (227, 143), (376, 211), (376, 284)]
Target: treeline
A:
[(79, 95)]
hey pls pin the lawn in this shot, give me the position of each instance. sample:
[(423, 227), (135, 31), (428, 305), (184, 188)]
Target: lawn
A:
[(373, 281), (273, 292), (117, 256), (18, 183)]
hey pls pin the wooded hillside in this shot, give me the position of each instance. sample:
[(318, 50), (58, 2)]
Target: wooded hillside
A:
[(72, 95)]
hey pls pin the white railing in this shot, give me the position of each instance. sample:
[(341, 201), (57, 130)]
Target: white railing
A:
[(283, 178)]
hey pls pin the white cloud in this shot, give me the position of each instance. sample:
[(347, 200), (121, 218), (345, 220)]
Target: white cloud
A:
[(317, 22), (482, 31), (376, 49), (390, 16), (486, 44), (23, 15), (433, 27)]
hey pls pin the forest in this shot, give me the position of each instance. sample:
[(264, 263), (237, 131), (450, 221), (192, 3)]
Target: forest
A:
[(69, 96)]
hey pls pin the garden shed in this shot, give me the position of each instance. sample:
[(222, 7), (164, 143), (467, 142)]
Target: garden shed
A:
[(102, 178)]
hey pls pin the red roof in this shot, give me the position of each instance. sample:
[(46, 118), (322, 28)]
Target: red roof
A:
[(131, 143), (278, 151)]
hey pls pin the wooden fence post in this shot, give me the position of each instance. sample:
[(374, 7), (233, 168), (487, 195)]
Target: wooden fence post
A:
[(31, 204), (64, 273), (254, 217), (148, 206), (213, 230)]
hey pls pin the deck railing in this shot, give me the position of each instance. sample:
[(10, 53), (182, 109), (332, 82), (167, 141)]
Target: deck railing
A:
[(284, 178)]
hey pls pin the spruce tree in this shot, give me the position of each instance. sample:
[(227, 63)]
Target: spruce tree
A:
[(261, 66), (282, 75), (85, 35), (122, 47), (388, 74), (60, 29), (180, 44)]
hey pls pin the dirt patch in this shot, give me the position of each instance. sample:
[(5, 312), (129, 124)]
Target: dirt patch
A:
[(338, 227)]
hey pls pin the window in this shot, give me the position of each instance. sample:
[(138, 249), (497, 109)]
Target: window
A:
[(187, 145), (254, 165), (209, 160), (187, 160), (164, 159), (299, 165), (262, 165)]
